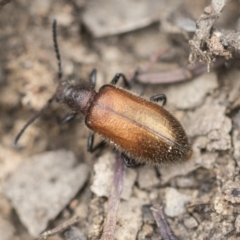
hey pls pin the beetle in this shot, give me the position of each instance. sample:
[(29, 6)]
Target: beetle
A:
[(142, 130)]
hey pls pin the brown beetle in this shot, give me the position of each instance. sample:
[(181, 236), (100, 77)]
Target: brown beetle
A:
[(142, 130)]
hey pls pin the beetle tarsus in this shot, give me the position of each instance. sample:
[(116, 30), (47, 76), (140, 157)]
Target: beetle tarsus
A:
[(93, 77), (131, 162), (90, 142), (159, 97), (68, 118), (117, 77)]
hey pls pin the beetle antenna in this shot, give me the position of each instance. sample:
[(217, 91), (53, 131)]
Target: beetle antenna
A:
[(31, 120), (56, 48), (40, 112)]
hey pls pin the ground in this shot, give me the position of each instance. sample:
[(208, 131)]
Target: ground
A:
[(50, 177)]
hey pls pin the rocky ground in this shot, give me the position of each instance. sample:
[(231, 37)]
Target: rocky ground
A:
[(50, 177)]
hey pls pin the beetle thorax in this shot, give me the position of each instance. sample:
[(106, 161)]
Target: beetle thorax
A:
[(78, 98)]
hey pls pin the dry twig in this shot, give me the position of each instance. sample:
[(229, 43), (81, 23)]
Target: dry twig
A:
[(207, 42), (177, 75), (165, 231), (114, 200), (59, 228)]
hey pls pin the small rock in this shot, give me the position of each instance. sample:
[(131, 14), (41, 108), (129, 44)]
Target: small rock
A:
[(147, 178), (129, 219), (40, 8), (220, 139), (198, 159), (103, 175), (195, 90), (129, 180), (153, 195), (185, 182), (94, 225), (43, 186), (181, 169), (64, 18), (236, 137), (221, 206), (101, 23), (147, 214), (232, 85), (232, 192), (227, 227), (237, 224), (141, 194), (103, 178), (175, 202), (146, 232), (74, 233), (190, 222), (209, 117), (236, 145)]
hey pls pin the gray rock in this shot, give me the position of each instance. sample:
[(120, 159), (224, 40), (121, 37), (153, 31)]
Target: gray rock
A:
[(195, 90), (43, 186), (103, 178), (147, 178), (175, 202)]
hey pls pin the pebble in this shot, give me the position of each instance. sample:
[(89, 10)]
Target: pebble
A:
[(196, 90), (175, 202), (237, 224), (103, 177), (147, 178), (190, 222)]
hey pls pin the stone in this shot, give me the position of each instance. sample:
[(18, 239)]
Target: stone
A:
[(175, 202), (147, 178), (42, 186), (103, 177), (190, 222)]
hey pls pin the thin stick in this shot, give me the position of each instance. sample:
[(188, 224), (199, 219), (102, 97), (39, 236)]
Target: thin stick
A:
[(178, 75), (114, 200), (165, 231), (59, 228)]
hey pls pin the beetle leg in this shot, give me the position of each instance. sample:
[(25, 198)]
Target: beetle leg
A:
[(68, 118), (131, 162), (117, 77), (136, 73), (93, 77), (159, 97), (90, 142)]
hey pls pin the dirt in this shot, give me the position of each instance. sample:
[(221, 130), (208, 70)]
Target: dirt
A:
[(200, 197)]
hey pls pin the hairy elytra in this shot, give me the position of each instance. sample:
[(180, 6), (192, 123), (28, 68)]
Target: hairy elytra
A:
[(142, 129), (145, 132)]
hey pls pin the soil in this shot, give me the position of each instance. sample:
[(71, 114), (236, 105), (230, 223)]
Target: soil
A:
[(200, 197)]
